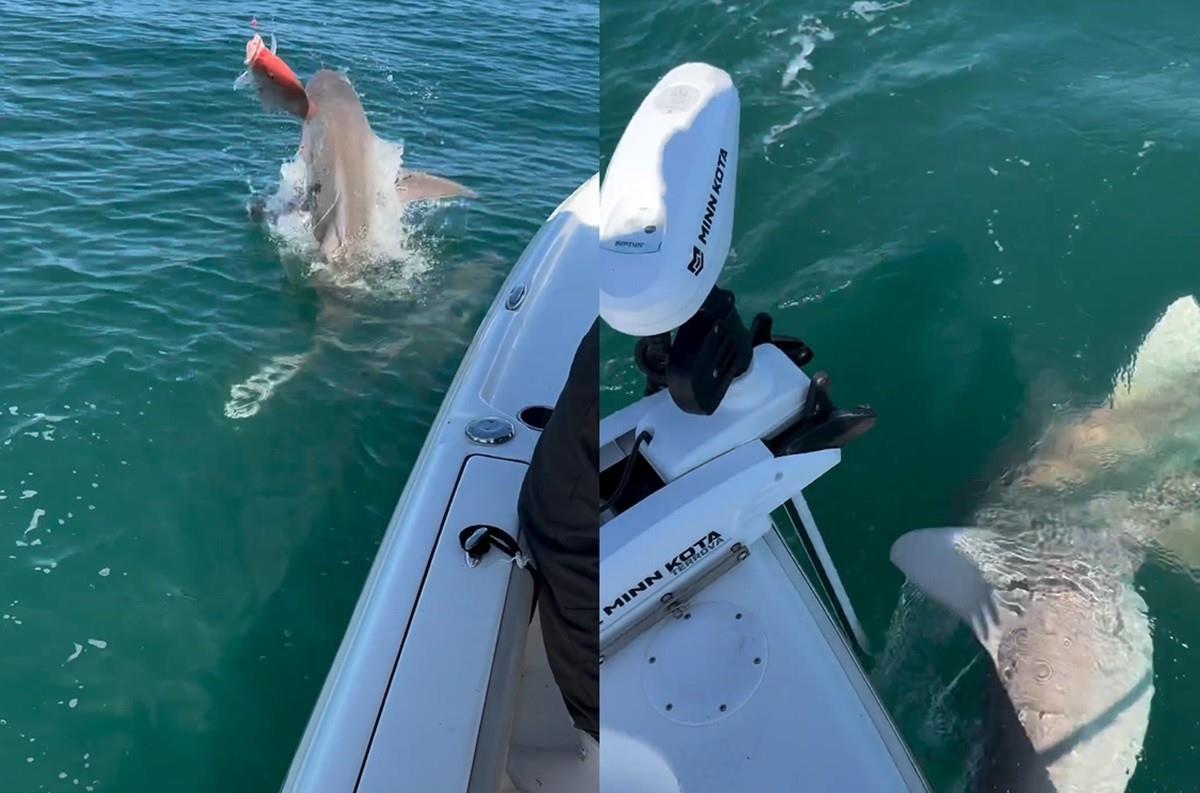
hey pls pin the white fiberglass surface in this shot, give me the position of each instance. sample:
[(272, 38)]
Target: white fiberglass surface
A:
[(811, 715)]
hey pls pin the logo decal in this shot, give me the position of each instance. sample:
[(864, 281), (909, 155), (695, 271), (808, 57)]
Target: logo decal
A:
[(697, 263), (710, 209), (677, 565), (694, 552)]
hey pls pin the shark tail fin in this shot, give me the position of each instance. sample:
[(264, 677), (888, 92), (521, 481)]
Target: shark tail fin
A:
[(1168, 354), (412, 186), (933, 561)]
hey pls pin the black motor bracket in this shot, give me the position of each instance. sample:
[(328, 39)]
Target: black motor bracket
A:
[(650, 354), (821, 425), (708, 352), (713, 348)]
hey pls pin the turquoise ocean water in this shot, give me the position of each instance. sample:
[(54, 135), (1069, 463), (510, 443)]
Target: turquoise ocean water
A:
[(973, 213), (176, 580)]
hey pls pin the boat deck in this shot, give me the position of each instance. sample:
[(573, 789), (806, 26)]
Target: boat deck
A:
[(753, 688)]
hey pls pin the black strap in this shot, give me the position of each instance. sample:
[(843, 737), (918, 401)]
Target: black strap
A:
[(477, 540), (480, 538)]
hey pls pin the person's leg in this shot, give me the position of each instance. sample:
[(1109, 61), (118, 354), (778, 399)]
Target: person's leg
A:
[(559, 515)]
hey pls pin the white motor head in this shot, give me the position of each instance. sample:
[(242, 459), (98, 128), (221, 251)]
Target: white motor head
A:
[(666, 202)]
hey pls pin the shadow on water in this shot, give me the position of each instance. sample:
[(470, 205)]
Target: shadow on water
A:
[(316, 525)]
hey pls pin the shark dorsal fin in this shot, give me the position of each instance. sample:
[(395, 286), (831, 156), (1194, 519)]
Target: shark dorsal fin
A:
[(932, 559)]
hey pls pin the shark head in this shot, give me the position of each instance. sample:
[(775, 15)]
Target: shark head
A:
[(338, 148)]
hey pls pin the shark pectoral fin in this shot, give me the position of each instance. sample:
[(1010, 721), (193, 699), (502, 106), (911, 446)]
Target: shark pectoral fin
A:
[(419, 186), (931, 559), (243, 81)]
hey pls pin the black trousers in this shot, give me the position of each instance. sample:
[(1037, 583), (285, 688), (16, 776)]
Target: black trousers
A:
[(559, 516)]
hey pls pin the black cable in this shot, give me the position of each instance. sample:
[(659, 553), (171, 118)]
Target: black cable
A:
[(479, 538), (644, 435)]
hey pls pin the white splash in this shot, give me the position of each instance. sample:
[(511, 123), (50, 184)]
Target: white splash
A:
[(33, 522), (390, 259), (247, 398), (78, 651), (104, 572), (810, 31), (867, 10), (798, 63), (99, 644), (72, 702)]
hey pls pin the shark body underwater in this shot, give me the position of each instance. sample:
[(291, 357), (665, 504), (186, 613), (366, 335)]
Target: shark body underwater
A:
[(1045, 576), (340, 152)]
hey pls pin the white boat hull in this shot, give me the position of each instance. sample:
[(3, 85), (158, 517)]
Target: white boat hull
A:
[(426, 686)]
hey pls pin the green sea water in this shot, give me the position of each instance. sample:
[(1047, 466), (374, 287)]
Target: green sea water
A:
[(176, 579), (973, 213)]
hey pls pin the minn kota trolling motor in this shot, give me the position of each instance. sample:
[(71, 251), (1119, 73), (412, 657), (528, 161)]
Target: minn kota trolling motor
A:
[(730, 427)]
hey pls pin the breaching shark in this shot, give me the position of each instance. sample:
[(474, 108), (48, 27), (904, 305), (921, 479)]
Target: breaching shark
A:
[(1045, 576), (339, 150), (353, 188)]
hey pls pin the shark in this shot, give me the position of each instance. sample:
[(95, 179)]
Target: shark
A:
[(1044, 574), (341, 154), (350, 200)]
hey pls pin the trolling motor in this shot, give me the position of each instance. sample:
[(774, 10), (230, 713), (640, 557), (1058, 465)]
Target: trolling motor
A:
[(666, 220), (740, 429)]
